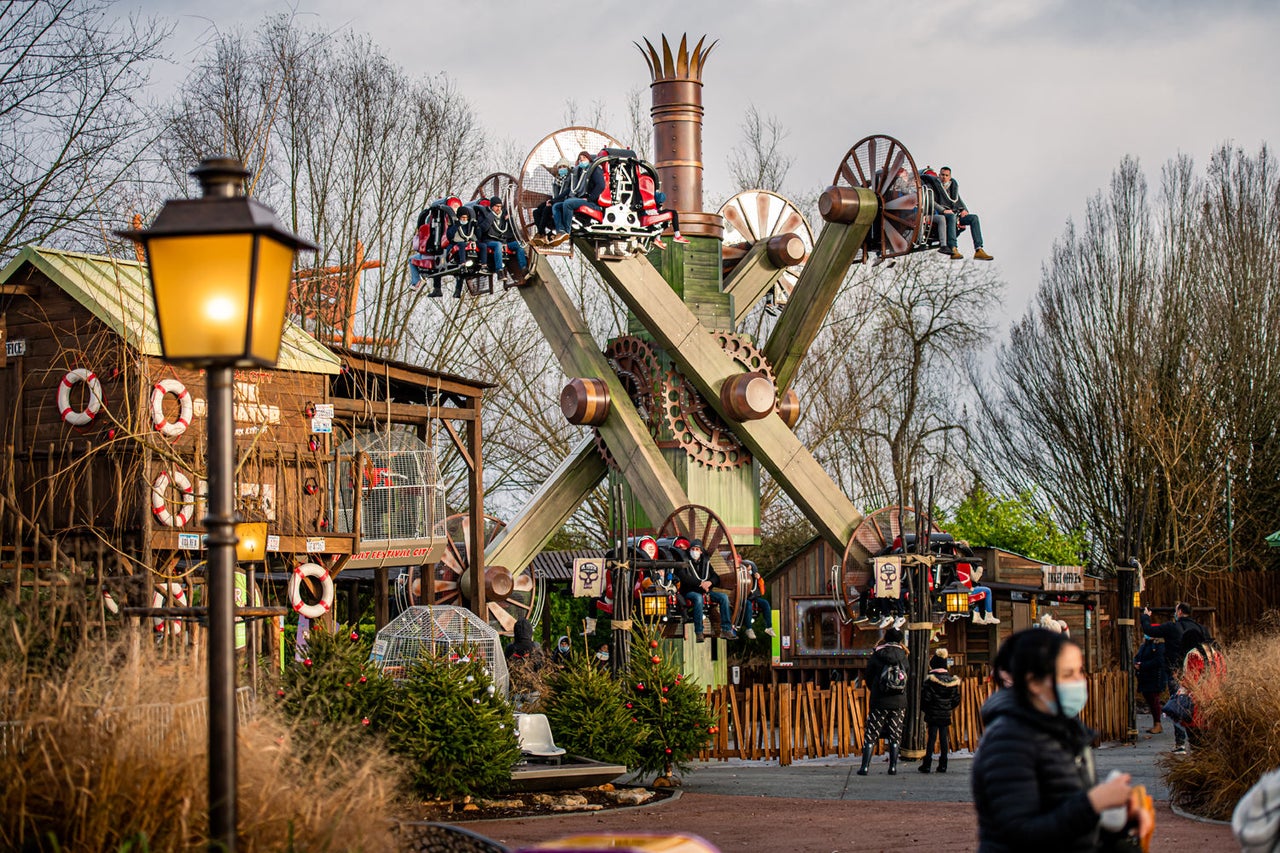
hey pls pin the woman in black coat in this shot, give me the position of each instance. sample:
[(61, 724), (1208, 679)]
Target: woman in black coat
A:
[(1033, 777), (1153, 677), (887, 708)]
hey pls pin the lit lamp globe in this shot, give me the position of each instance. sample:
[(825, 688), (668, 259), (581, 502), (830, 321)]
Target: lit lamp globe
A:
[(220, 267)]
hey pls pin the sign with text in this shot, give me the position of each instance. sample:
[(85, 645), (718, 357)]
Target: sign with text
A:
[(190, 541), (1063, 578)]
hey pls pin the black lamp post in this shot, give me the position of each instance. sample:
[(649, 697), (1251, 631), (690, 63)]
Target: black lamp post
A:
[(220, 269)]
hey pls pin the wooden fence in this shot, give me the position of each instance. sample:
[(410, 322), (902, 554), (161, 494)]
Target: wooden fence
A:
[(786, 722), (1240, 598)]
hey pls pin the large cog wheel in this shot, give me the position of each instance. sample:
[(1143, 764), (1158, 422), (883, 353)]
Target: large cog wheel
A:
[(637, 367)]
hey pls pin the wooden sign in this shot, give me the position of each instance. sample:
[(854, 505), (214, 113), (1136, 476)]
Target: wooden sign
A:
[(1063, 578), (888, 577), (588, 577)]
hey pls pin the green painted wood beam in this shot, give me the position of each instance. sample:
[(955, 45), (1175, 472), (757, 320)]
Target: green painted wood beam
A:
[(692, 346), (549, 508), (751, 279), (639, 460), (816, 290)]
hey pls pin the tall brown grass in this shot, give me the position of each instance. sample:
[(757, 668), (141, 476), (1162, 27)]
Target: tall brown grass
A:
[(112, 749), (1240, 739)]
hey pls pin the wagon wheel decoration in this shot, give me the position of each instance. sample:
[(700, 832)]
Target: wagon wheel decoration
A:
[(693, 521), (873, 163), (636, 365), (700, 430), (508, 597), (876, 533), (756, 215), (538, 171), (500, 184)]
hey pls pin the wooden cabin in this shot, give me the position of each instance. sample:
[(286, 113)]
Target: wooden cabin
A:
[(104, 442), (817, 641)]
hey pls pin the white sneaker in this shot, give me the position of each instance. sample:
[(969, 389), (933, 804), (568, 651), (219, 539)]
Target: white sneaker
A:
[(899, 622), (769, 631), (751, 633), (992, 619), (885, 622)]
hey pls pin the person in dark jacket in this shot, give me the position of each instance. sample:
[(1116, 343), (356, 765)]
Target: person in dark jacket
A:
[(465, 248), (1174, 635), (939, 696), (698, 579), (542, 220), (948, 204), (1033, 778), (522, 646), (500, 234), (887, 708), (1153, 677), (562, 652), (585, 185)]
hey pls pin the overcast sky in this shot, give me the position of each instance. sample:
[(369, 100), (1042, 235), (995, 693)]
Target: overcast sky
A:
[(1031, 102)]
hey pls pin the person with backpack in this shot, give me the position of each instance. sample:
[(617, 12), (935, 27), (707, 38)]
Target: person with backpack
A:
[(1176, 635), (886, 677), (939, 696)]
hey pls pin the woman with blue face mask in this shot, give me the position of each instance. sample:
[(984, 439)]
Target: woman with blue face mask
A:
[(1033, 779)]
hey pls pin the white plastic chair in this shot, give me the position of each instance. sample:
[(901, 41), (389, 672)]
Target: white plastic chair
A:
[(534, 735)]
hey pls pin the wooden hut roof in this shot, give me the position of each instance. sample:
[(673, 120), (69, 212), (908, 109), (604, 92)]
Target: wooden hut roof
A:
[(118, 292)]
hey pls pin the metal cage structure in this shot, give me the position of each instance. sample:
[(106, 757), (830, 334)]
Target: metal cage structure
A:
[(391, 480), (442, 630)]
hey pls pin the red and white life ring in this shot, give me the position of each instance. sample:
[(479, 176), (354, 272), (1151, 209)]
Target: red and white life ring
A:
[(176, 388), (160, 504), (311, 570), (80, 374), (158, 600)]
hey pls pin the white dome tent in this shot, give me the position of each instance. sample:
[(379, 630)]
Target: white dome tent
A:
[(443, 630)]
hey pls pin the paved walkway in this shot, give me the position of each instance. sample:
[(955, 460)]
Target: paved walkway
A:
[(822, 805)]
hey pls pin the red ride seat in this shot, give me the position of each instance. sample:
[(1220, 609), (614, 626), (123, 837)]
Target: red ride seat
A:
[(650, 214)]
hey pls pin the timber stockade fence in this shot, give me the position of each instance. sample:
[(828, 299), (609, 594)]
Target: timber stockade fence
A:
[(787, 722)]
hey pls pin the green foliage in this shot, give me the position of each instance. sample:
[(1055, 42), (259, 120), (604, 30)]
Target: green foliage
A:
[(1014, 524), (589, 715), (567, 614), (669, 705), (453, 729), (336, 684)]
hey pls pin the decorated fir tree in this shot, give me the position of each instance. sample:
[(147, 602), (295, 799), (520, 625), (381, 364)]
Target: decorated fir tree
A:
[(588, 711), (669, 705), (335, 684)]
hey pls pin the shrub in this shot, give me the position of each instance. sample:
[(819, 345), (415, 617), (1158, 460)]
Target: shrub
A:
[(1238, 742), (590, 715), (669, 705), (336, 684), (452, 727)]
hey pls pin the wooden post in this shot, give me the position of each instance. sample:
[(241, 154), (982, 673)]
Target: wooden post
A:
[(475, 496), (784, 725)]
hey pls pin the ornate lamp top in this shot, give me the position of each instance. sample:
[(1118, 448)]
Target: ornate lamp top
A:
[(683, 65)]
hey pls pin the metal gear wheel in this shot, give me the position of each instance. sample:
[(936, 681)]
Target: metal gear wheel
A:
[(637, 367)]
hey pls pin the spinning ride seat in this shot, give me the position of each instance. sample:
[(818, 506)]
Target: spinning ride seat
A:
[(625, 219), (439, 258)]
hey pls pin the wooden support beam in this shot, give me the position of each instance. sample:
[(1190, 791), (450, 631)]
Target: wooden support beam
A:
[(549, 508), (475, 495), (692, 346), (640, 461), (751, 279), (409, 413), (816, 289)]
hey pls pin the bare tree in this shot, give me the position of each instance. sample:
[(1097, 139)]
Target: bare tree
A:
[(71, 127), (758, 161)]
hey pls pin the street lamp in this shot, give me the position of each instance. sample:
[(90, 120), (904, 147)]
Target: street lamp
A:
[(955, 599), (220, 269)]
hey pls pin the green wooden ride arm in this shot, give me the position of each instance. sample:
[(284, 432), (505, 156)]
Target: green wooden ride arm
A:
[(548, 509), (816, 290), (701, 359), (751, 279), (640, 461)]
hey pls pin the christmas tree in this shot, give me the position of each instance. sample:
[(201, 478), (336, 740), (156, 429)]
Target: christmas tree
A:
[(335, 684), (669, 705), (589, 714)]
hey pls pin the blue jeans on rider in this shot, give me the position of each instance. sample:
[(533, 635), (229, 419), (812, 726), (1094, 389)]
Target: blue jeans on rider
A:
[(944, 225), (459, 255), (495, 252), (415, 274), (562, 213), (748, 615), (721, 601)]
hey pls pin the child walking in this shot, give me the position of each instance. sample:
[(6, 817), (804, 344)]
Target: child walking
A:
[(938, 698)]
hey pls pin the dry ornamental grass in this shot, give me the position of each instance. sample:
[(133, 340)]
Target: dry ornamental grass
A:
[(1240, 738)]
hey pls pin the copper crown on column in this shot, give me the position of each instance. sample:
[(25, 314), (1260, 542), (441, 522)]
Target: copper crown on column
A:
[(677, 129)]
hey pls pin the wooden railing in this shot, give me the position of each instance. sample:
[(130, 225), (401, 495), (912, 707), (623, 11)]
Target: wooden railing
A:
[(786, 722)]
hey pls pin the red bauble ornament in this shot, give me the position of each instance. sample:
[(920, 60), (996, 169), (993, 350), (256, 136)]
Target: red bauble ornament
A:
[(354, 636), (713, 729), (280, 694), (640, 686), (667, 750), (348, 683), (365, 721), (664, 688), (629, 706), (656, 659), (653, 644), (663, 700), (307, 662), (363, 679)]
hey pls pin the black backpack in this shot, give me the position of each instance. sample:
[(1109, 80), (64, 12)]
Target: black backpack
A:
[(893, 679)]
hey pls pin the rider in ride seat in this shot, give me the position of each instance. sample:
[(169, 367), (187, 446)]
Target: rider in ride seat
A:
[(465, 249)]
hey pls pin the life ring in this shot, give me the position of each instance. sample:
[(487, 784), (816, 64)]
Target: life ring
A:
[(163, 426), (69, 415), (158, 600), (311, 570), (160, 505)]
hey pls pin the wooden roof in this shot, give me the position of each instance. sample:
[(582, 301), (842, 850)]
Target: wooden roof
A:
[(402, 371), (118, 292)]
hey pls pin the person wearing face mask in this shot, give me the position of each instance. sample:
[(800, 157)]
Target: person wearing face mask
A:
[(560, 654), (585, 186), (697, 580), (542, 218), (1033, 778)]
